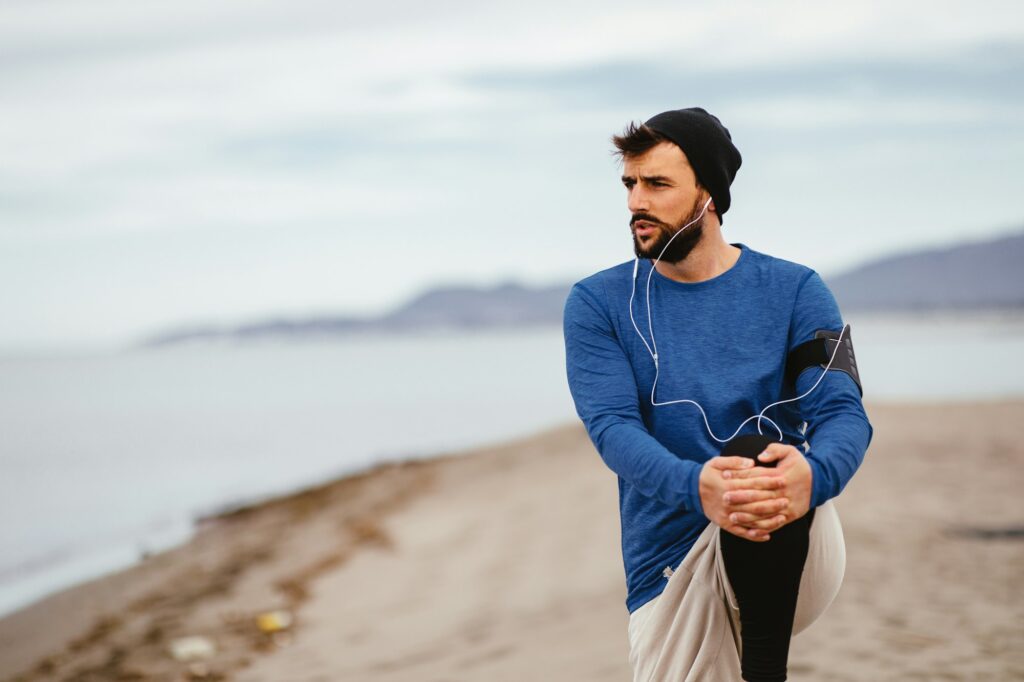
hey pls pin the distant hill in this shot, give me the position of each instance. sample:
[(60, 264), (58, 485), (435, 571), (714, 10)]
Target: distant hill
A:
[(988, 274), (462, 307), (985, 274)]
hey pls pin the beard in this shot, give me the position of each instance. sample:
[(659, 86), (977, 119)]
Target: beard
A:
[(680, 247)]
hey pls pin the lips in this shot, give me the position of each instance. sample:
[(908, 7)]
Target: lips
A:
[(642, 228)]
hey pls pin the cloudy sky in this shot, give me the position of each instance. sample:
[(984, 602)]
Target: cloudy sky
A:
[(166, 163)]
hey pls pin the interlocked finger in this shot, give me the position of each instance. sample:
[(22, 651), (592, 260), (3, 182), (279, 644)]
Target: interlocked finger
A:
[(755, 534), (769, 524), (760, 509), (738, 497), (750, 472), (760, 483)]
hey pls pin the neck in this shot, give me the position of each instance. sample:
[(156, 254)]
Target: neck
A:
[(710, 258)]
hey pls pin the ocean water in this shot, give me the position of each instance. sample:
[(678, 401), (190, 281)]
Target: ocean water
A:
[(106, 456)]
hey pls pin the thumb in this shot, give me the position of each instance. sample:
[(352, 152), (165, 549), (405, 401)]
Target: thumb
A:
[(774, 452), (723, 463)]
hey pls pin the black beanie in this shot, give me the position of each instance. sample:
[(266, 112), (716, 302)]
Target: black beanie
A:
[(708, 147)]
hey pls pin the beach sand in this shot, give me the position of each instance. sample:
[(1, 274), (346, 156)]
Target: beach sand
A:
[(503, 563)]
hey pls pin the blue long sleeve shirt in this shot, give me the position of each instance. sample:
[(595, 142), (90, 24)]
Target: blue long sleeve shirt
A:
[(723, 343)]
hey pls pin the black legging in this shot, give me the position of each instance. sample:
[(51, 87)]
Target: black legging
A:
[(765, 577)]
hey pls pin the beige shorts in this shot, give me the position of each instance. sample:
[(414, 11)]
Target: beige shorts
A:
[(691, 631)]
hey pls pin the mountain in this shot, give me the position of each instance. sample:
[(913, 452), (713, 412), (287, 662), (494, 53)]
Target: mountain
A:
[(984, 274), (508, 304), (454, 307)]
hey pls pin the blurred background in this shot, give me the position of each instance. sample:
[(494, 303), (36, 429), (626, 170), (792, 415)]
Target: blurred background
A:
[(249, 246)]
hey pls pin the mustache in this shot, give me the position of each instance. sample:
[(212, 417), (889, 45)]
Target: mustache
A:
[(646, 217)]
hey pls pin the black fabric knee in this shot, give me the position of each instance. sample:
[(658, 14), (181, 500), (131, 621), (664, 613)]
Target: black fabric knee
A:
[(765, 577)]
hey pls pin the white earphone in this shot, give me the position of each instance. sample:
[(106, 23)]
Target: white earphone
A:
[(654, 351)]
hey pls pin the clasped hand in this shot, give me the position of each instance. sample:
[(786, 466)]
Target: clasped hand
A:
[(753, 501)]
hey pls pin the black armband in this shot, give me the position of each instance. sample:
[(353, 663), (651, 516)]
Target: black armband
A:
[(818, 350)]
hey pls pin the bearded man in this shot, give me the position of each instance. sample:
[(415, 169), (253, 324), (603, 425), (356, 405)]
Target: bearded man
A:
[(719, 384)]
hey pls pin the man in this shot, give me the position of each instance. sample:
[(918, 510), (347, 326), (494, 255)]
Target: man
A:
[(679, 363)]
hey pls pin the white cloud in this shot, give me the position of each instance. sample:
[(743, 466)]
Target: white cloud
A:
[(121, 119)]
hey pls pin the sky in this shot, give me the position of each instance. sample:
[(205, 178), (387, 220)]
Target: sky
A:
[(170, 164)]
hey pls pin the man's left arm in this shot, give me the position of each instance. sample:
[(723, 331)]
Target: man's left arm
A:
[(838, 430)]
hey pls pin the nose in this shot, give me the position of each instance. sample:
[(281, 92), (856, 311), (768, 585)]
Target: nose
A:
[(638, 200)]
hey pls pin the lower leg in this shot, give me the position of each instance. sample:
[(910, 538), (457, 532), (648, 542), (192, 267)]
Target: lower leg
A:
[(765, 577)]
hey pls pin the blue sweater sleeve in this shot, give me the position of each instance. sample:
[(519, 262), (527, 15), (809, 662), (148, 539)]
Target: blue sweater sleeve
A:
[(838, 430), (604, 390)]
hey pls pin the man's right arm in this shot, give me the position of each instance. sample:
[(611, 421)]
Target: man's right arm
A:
[(604, 390)]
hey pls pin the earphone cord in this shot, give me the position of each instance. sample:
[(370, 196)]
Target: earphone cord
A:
[(654, 351)]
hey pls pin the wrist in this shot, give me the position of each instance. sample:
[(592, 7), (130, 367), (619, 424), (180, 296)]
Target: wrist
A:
[(818, 493), (696, 489)]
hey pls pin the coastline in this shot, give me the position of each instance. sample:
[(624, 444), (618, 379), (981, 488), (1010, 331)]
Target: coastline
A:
[(502, 562)]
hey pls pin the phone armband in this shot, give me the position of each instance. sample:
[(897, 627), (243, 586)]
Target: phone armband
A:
[(818, 350)]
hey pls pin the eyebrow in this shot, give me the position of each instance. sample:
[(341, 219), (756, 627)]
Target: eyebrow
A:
[(647, 178)]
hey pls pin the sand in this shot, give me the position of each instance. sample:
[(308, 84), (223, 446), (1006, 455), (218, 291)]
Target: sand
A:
[(503, 563)]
